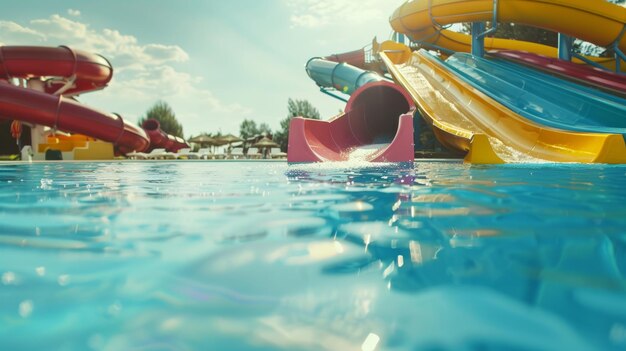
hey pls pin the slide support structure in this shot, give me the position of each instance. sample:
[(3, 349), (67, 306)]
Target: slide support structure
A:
[(479, 32), (619, 54), (398, 37), (565, 47), (478, 41), (334, 94), (589, 62)]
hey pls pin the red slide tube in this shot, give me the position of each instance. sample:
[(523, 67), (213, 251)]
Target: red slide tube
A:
[(87, 71), (161, 140), (68, 115)]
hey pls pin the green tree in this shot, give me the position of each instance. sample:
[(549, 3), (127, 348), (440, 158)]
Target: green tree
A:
[(163, 113), (265, 129), (248, 129), (295, 108), (546, 37), (527, 33), (521, 32)]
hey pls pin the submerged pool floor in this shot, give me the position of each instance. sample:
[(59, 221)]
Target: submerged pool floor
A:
[(266, 256)]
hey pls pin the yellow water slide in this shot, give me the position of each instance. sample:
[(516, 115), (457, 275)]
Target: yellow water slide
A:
[(466, 120), (596, 21)]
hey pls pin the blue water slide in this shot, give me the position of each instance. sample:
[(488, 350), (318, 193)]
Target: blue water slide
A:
[(341, 76), (542, 98), (554, 81)]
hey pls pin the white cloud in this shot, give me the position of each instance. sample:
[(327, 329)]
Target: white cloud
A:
[(165, 53), (308, 21), (73, 12), (123, 50), (11, 31), (199, 110), (321, 13), (164, 82), (57, 26), (143, 73)]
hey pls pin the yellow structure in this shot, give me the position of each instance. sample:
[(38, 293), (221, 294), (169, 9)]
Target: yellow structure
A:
[(595, 21), (468, 121), (76, 147)]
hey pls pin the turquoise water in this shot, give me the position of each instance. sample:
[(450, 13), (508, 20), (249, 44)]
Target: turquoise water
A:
[(265, 256)]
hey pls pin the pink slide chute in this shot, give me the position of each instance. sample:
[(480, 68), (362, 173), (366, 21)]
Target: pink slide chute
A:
[(377, 126)]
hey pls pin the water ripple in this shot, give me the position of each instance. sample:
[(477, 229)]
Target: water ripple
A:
[(430, 256)]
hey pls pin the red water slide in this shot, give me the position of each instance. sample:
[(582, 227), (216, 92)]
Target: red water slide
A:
[(84, 71), (160, 139), (355, 58), (377, 126), (604, 80), (67, 72)]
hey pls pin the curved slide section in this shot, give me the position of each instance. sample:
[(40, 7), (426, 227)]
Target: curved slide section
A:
[(68, 72), (160, 139), (595, 21), (65, 114), (342, 76), (377, 126), (83, 71), (467, 120)]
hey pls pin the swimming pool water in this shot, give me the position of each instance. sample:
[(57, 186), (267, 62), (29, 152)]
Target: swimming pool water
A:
[(266, 256)]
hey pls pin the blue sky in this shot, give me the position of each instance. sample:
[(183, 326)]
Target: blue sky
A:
[(215, 62)]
